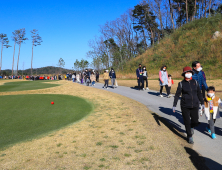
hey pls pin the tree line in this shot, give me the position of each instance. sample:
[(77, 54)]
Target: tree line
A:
[(142, 27), (19, 37)]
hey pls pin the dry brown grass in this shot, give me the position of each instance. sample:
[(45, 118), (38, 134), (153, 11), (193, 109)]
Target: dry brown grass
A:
[(120, 134)]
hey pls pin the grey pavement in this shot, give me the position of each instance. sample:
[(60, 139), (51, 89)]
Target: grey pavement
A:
[(210, 149)]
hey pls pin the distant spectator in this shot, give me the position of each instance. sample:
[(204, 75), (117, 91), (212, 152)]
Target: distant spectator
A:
[(163, 78), (139, 74), (97, 76), (112, 75), (106, 79), (145, 78)]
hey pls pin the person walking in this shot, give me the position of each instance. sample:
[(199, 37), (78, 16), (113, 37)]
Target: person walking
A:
[(139, 74), (170, 83), (93, 78), (191, 96), (212, 112), (163, 78), (106, 79), (198, 76), (112, 75), (73, 77), (97, 76), (145, 78)]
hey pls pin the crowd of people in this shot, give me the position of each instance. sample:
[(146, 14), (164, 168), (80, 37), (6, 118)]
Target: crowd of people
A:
[(90, 77), (27, 77), (194, 100)]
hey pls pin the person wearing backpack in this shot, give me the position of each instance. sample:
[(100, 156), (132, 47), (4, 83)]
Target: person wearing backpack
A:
[(191, 96)]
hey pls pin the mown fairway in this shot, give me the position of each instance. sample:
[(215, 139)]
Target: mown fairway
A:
[(24, 117), (25, 85)]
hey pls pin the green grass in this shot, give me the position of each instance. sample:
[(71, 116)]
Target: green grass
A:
[(25, 85), (24, 117)]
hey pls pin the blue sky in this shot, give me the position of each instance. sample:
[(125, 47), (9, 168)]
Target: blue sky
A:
[(65, 26)]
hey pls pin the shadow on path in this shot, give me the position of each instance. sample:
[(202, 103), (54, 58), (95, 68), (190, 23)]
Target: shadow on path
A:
[(198, 161), (174, 127)]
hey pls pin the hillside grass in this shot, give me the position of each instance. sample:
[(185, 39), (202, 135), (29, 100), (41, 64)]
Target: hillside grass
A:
[(191, 42)]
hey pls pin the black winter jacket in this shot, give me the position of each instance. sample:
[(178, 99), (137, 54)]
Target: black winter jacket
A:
[(191, 94)]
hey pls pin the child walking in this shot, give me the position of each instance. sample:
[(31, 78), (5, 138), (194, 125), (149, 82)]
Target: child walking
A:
[(212, 105), (170, 83)]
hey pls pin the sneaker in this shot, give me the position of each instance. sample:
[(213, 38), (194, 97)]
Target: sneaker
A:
[(147, 88), (208, 130), (168, 96), (107, 88), (192, 131), (161, 95), (143, 89), (190, 140), (213, 136)]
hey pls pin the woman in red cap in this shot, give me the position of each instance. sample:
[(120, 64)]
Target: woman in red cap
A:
[(191, 96)]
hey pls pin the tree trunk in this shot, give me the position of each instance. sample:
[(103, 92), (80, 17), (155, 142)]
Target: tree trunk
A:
[(195, 8), (18, 58), (32, 56), (160, 17), (202, 9), (13, 58), (171, 14), (1, 58), (209, 7), (205, 9), (186, 12)]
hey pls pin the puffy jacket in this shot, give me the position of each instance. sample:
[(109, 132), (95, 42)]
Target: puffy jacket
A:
[(106, 76), (198, 76), (191, 94), (112, 74)]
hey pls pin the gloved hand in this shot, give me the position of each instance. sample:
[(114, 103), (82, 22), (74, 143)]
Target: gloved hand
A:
[(203, 107), (174, 108)]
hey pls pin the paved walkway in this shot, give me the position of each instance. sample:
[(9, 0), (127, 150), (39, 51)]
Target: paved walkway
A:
[(210, 149)]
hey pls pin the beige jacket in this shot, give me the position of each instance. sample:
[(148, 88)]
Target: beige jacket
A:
[(106, 76), (92, 77), (217, 104)]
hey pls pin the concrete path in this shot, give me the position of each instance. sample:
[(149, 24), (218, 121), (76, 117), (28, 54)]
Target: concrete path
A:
[(210, 149)]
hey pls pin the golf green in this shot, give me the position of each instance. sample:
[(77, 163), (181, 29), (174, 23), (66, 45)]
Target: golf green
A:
[(25, 85), (25, 117)]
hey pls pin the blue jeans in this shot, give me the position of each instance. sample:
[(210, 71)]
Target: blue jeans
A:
[(93, 82), (73, 79)]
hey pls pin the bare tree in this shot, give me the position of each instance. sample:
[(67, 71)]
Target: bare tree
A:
[(15, 39), (21, 38), (209, 7), (171, 14), (4, 43), (36, 40)]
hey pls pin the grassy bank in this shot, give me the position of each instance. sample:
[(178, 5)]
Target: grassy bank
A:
[(191, 42)]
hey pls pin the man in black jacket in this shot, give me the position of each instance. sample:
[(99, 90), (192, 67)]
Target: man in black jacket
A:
[(191, 96)]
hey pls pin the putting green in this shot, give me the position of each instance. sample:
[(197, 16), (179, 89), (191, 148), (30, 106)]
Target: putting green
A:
[(24, 117), (26, 85)]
